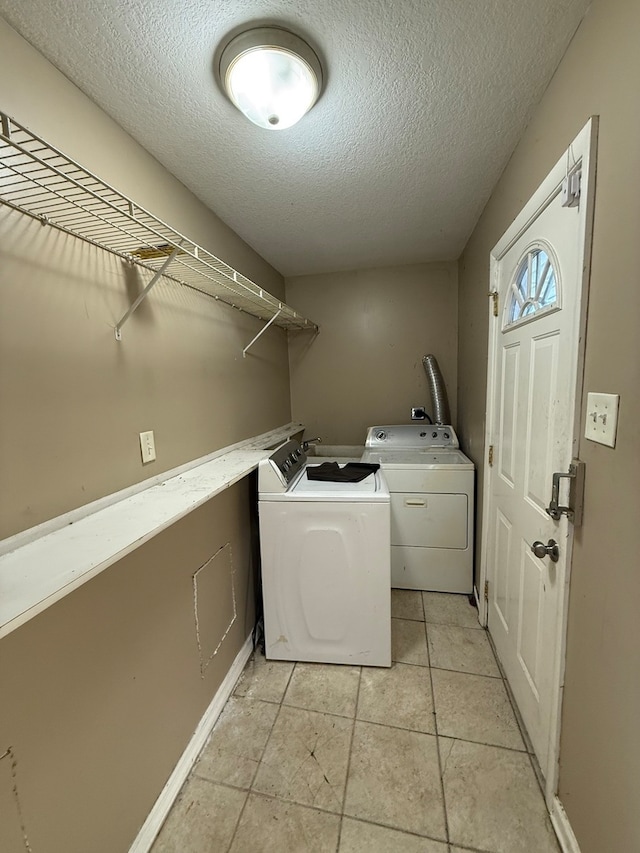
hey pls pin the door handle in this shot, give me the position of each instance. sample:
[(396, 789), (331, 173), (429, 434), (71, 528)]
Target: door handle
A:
[(415, 502), (573, 511), (550, 550)]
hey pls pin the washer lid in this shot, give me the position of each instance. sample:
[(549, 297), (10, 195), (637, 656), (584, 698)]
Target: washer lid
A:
[(372, 488), (440, 460)]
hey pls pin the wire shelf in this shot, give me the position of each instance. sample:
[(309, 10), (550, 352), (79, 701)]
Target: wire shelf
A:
[(39, 180)]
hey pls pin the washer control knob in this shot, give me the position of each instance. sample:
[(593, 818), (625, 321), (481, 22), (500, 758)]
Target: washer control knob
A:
[(381, 435), (446, 435), (434, 435)]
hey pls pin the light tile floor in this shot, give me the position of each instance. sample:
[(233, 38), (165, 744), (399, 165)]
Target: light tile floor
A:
[(425, 757)]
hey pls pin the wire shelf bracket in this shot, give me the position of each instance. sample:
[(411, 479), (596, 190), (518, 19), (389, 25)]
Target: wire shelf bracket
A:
[(40, 181), (144, 293), (260, 333)]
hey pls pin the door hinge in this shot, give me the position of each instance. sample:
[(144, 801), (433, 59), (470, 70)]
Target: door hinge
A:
[(486, 590), (494, 296), (491, 456)]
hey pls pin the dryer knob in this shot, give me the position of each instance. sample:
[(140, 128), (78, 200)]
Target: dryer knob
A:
[(381, 435), (434, 435)]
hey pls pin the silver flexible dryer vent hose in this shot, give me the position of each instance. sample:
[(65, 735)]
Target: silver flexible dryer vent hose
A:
[(441, 414)]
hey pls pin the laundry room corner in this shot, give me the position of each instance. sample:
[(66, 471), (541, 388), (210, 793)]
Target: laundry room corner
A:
[(365, 366), (319, 426)]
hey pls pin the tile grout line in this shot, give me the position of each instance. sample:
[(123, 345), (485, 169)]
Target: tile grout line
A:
[(417, 731), (325, 811), (259, 762), (447, 669), (448, 625), (529, 751), (537, 772), (435, 725), (484, 743), (411, 832), (499, 677), (467, 849), (439, 624), (520, 722), (346, 780)]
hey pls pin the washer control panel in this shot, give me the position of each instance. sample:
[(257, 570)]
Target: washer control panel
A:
[(289, 458), (413, 436)]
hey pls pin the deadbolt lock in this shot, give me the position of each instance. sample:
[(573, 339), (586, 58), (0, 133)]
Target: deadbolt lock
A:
[(573, 511)]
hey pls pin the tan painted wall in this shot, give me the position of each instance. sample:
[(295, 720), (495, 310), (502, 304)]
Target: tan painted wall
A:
[(365, 366), (73, 400), (600, 748), (102, 692)]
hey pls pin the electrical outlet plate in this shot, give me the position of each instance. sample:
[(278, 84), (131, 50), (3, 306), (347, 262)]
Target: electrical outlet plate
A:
[(147, 447), (602, 418)]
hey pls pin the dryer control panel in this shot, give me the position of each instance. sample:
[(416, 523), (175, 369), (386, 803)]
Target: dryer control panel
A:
[(413, 436)]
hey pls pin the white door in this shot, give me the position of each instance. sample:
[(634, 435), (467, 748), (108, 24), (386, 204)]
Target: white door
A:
[(539, 274)]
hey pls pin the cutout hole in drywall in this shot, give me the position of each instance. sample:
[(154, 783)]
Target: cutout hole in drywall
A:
[(214, 604)]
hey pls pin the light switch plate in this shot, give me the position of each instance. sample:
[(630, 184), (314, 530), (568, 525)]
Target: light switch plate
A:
[(602, 418), (147, 446)]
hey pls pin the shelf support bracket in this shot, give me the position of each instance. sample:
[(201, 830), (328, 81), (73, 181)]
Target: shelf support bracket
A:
[(260, 333), (145, 293)]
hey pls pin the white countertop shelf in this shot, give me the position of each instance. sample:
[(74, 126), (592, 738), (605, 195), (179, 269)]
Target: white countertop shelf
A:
[(41, 566), (39, 180)]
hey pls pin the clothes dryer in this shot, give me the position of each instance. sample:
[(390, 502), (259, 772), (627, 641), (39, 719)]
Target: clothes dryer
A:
[(432, 505)]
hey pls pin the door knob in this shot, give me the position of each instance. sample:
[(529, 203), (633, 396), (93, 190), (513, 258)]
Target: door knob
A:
[(550, 550)]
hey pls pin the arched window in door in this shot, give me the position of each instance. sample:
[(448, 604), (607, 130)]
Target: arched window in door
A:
[(535, 286)]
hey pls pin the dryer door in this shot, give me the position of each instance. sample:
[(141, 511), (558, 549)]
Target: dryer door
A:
[(428, 519)]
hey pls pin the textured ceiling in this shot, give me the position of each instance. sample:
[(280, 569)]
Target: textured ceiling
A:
[(423, 104)]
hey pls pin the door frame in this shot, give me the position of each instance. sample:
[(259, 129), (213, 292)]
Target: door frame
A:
[(582, 149)]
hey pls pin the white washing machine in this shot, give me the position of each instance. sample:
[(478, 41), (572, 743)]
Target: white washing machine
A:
[(325, 550), (432, 505)]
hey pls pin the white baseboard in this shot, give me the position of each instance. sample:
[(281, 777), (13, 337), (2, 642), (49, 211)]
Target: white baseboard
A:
[(162, 805), (481, 605), (560, 821)]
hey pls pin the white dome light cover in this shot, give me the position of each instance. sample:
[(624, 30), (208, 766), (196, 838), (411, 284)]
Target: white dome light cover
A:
[(271, 75)]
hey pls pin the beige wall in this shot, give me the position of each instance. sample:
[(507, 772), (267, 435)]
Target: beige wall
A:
[(73, 400), (365, 366), (102, 692), (600, 748)]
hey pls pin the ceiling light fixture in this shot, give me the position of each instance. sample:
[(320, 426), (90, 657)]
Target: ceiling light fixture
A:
[(271, 75)]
